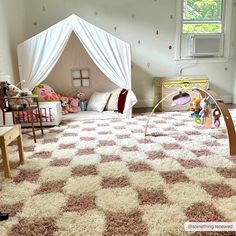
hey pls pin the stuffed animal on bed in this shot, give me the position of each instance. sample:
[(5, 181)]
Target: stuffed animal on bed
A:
[(64, 104), (45, 93), (82, 101), (74, 105)]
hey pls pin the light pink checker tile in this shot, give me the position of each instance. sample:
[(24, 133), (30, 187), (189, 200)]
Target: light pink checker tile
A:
[(85, 151), (202, 152), (129, 148), (109, 158), (106, 143), (67, 145), (60, 162), (171, 146), (152, 155)]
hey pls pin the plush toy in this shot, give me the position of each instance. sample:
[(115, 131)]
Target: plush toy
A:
[(216, 115), (196, 110), (65, 104), (10, 90), (205, 109), (45, 93), (82, 101), (74, 105)]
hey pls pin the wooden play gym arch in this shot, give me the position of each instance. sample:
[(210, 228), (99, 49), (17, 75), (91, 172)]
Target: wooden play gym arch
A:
[(221, 106)]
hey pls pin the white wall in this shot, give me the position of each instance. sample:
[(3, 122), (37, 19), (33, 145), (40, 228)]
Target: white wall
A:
[(136, 22), (234, 30), (12, 32)]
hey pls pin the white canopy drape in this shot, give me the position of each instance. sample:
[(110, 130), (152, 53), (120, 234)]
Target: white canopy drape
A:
[(38, 55)]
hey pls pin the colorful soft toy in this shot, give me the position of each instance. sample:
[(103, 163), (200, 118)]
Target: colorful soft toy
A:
[(196, 110), (64, 104), (205, 109), (74, 105), (45, 93), (82, 101)]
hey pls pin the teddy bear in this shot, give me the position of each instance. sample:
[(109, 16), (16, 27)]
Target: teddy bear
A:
[(65, 104), (74, 105)]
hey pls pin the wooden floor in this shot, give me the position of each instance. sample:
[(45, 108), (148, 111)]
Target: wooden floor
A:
[(149, 109)]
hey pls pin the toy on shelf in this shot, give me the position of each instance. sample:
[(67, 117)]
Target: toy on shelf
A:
[(216, 115), (221, 108)]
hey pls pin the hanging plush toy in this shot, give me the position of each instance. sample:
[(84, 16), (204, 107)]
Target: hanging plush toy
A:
[(196, 110), (205, 109), (216, 115), (181, 99)]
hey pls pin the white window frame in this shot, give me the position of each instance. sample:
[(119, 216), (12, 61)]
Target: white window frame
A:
[(226, 28), (205, 21)]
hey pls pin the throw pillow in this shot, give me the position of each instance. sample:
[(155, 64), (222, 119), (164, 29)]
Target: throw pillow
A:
[(112, 104), (98, 101), (121, 100)]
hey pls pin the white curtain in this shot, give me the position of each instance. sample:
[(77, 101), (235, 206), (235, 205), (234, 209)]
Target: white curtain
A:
[(38, 55)]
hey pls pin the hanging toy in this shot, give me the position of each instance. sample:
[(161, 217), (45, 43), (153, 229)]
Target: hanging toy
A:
[(181, 99), (205, 109), (196, 110), (216, 115)]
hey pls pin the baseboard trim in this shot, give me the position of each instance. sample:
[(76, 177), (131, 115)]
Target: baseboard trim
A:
[(227, 99)]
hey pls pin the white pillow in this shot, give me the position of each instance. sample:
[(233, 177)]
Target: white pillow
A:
[(112, 104), (98, 101)]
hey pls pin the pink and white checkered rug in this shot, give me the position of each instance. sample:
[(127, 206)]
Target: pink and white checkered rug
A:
[(103, 177)]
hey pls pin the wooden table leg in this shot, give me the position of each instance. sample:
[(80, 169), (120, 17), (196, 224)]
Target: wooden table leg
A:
[(5, 161), (40, 116), (20, 148), (32, 123)]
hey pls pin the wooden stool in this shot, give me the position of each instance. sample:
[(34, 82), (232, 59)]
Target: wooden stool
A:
[(7, 135)]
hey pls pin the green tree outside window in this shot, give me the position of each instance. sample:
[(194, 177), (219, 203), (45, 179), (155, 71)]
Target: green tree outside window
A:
[(202, 16)]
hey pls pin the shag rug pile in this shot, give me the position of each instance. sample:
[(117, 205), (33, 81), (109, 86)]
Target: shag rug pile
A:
[(103, 177)]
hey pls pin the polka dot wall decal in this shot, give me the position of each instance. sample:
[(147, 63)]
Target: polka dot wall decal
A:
[(226, 68), (157, 32), (44, 8), (171, 17), (139, 41), (132, 15), (170, 47), (95, 13), (35, 23), (115, 28)]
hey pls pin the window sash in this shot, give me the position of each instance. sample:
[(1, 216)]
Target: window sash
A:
[(204, 20), (207, 21)]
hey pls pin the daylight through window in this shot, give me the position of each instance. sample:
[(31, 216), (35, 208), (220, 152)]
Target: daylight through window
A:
[(202, 16)]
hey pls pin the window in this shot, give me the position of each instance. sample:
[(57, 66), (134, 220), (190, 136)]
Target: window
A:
[(202, 16), (80, 78)]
